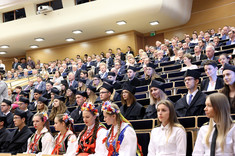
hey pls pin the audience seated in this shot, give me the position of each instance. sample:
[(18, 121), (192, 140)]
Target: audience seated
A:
[(77, 81)]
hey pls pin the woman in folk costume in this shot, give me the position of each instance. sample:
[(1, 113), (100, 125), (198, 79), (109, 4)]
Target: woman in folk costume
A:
[(65, 141), (121, 138), (41, 142), (90, 139)]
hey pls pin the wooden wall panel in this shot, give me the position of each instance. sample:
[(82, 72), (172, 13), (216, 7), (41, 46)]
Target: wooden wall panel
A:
[(151, 40), (205, 15), (9, 60), (87, 47)]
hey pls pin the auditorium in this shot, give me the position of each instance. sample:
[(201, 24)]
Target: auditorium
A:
[(117, 77)]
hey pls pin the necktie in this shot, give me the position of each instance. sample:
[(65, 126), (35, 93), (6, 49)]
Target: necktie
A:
[(213, 143), (190, 99)]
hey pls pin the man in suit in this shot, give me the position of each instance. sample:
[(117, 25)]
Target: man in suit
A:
[(76, 114), (23, 105), (52, 68), (109, 60), (212, 82), (231, 35), (181, 57), (112, 77), (18, 143), (36, 95), (210, 54), (40, 84), (193, 103), (5, 135), (198, 54), (3, 89), (226, 30), (132, 80), (49, 86), (23, 63), (72, 82), (15, 63), (5, 111), (160, 58)]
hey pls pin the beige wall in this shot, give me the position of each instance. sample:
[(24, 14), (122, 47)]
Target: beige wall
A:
[(94, 46), (9, 60)]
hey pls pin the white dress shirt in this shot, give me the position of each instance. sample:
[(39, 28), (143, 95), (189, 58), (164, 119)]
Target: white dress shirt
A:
[(201, 149), (194, 93), (174, 146)]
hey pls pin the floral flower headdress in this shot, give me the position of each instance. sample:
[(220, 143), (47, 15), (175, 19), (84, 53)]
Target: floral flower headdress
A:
[(45, 116), (90, 107), (106, 107), (67, 118)]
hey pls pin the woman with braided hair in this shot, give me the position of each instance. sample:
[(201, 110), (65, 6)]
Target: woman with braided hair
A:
[(121, 137), (66, 140), (41, 142), (90, 139)]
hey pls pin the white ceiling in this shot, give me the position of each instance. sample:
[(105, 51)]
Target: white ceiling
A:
[(92, 18)]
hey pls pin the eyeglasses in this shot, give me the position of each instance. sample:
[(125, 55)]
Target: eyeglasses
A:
[(188, 79), (103, 92), (3, 105), (16, 118)]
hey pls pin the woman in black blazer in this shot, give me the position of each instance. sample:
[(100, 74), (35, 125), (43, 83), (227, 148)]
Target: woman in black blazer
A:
[(212, 82)]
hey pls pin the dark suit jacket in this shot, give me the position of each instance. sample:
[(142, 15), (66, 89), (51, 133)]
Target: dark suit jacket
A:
[(51, 71), (10, 123), (219, 84), (164, 59), (194, 109), (29, 118), (110, 62), (32, 106), (77, 115), (151, 112), (74, 84), (5, 138), (134, 112), (42, 87), (15, 65), (202, 57), (134, 82), (18, 143)]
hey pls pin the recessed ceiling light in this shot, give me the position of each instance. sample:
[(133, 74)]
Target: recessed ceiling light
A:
[(121, 22), (2, 52), (77, 31), (109, 31), (34, 46), (4, 46), (39, 39), (154, 23), (70, 39)]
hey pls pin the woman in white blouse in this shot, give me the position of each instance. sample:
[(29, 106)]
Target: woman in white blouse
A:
[(218, 110), (41, 142), (169, 137), (188, 62), (121, 137), (57, 80)]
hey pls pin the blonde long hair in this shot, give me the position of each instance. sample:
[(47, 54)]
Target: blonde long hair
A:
[(222, 117), (173, 121)]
